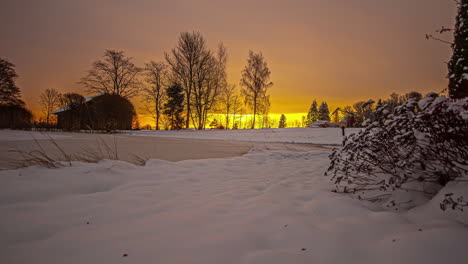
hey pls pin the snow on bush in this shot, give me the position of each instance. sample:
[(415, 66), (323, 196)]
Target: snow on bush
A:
[(417, 149)]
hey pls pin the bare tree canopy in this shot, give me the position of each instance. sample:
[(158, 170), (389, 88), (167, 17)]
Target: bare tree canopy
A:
[(49, 100), (9, 93), (256, 81), (115, 74), (211, 79), (187, 62), (154, 95), (227, 100)]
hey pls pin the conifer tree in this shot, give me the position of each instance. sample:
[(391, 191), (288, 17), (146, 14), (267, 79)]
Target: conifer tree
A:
[(458, 65), (282, 122), (9, 93), (313, 114), (324, 113), (174, 106)]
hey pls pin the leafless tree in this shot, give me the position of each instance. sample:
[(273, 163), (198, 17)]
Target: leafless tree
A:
[(186, 61), (49, 100), (115, 74), (256, 81), (236, 108), (264, 110), (227, 100), (154, 94), (211, 80)]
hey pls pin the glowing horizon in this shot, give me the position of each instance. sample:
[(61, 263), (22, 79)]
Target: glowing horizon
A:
[(338, 51)]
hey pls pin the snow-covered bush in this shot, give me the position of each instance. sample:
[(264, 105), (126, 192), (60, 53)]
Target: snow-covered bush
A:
[(419, 147)]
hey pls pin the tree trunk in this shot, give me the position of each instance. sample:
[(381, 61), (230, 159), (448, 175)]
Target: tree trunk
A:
[(254, 113)]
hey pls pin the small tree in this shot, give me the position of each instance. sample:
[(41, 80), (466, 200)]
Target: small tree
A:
[(116, 74), (174, 106), (458, 65), (256, 81), (49, 100), (324, 113), (282, 121)]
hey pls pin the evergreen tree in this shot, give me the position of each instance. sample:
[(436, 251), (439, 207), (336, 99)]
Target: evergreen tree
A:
[(174, 106), (282, 122), (324, 113), (313, 114), (379, 108), (9, 93), (458, 65)]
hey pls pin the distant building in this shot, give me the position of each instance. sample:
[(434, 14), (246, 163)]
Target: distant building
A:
[(99, 112), (320, 123)]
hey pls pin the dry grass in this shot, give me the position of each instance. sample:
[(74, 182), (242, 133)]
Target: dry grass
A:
[(41, 156)]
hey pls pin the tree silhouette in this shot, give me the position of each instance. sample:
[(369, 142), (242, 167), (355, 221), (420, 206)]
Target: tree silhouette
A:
[(49, 100), (186, 62), (154, 94), (227, 100), (174, 106), (313, 114), (324, 113), (9, 93), (458, 65), (116, 74), (282, 122), (256, 81)]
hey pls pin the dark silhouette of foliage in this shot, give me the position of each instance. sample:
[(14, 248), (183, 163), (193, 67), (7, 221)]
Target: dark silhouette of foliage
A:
[(174, 106), (154, 94), (116, 74), (49, 100), (256, 81), (313, 114), (282, 121), (458, 65), (110, 112), (324, 112), (10, 94), (15, 116), (13, 113), (187, 61), (420, 147)]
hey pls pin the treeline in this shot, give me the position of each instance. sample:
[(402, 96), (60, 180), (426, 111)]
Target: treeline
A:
[(182, 91), (360, 113), (187, 87), (191, 84)]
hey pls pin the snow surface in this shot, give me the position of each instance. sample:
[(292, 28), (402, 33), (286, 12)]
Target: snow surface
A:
[(262, 207), (318, 136)]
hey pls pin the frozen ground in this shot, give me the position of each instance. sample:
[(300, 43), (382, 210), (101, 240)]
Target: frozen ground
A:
[(317, 136), (127, 148), (132, 146), (266, 206)]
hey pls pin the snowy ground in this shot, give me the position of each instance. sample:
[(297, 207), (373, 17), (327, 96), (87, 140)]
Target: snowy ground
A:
[(317, 136), (267, 206)]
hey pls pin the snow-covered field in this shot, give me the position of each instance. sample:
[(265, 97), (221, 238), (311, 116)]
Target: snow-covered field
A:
[(261, 207), (318, 136)]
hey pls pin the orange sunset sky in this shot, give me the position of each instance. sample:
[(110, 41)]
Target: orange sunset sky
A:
[(339, 51)]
